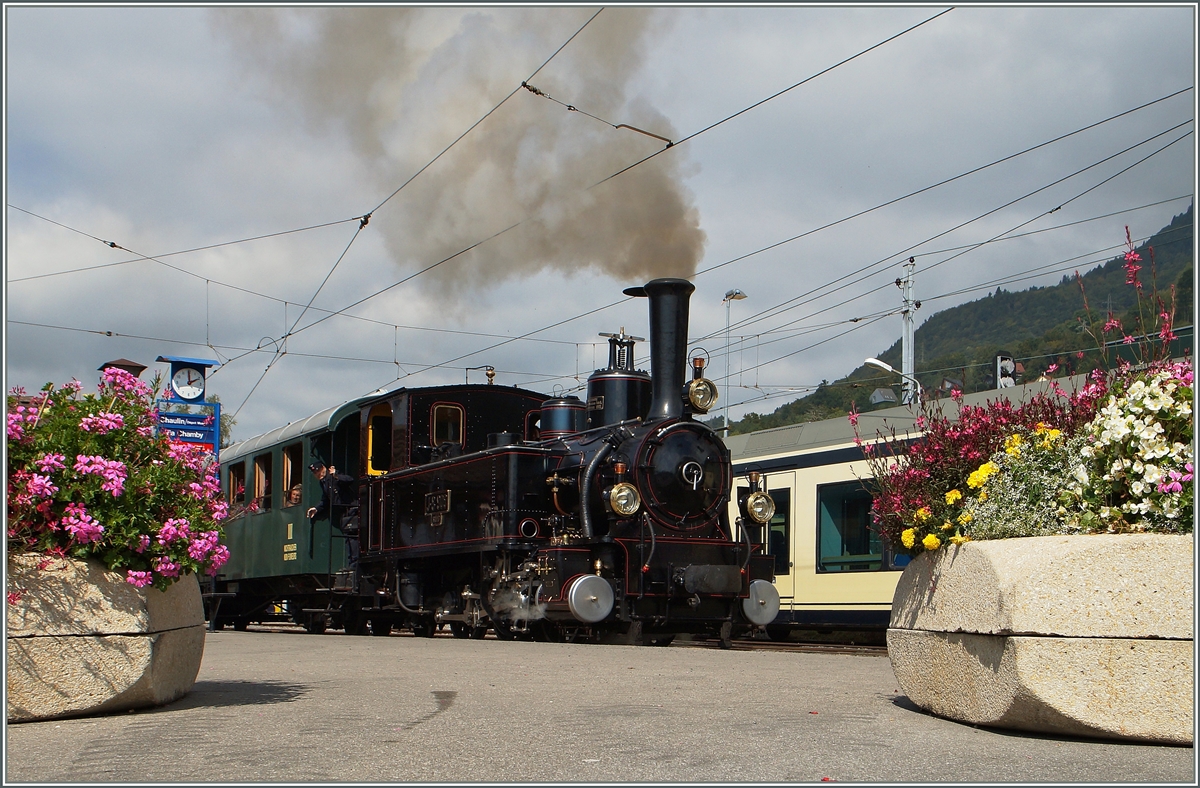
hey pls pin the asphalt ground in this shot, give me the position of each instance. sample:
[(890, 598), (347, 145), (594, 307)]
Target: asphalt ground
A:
[(284, 706)]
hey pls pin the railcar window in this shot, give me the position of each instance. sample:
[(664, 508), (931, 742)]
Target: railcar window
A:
[(292, 468), (845, 540), (447, 424), (237, 484), (262, 481)]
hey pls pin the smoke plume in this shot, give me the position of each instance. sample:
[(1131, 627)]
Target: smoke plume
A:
[(403, 83)]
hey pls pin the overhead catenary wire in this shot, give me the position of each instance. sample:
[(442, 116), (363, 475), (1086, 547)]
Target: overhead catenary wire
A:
[(774, 96), (797, 302)]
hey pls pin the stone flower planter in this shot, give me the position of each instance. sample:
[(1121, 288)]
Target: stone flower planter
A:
[(83, 641), (1077, 635)]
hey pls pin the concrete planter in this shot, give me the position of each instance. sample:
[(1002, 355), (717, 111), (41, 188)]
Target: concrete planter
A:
[(1077, 635), (83, 641)]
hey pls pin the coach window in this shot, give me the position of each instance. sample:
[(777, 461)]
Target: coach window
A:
[(292, 473), (379, 439), (262, 481), (237, 484), (845, 540), (447, 424)]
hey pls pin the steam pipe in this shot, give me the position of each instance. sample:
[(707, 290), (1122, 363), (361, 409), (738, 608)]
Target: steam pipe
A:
[(585, 489), (668, 343)]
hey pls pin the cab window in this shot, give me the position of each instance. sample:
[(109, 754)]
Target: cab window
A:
[(845, 540), (379, 439), (447, 424)]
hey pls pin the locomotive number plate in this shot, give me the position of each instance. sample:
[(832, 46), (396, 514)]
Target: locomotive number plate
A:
[(596, 402), (437, 505)]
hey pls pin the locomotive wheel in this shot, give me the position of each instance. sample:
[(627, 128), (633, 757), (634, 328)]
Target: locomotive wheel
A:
[(424, 629), (240, 624), (380, 627), (315, 625), (353, 621), (503, 630), (547, 632), (459, 629), (478, 633), (657, 640)]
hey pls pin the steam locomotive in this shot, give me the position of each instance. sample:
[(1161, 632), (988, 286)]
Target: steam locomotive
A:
[(485, 507)]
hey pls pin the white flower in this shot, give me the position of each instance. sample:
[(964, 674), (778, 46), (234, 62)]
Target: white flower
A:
[(1082, 475)]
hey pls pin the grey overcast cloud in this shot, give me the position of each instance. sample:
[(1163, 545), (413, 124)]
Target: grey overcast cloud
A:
[(191, 181)]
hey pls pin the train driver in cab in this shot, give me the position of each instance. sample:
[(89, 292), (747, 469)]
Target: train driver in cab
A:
[(339, 502)]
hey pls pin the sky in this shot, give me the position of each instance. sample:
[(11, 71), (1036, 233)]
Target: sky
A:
[(193, 181)]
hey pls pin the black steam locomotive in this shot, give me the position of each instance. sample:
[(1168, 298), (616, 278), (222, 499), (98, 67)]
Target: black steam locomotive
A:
[(487, 507)]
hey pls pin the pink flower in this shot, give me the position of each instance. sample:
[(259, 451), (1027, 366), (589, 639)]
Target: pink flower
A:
[(40, 486), (102, 423), (113, 471), (1128, 340), (81, 525), (1051, 368), (1112, 324), (217, 559), (143, 543), (166, 567), (51, 462), (853, 416), (121, 381), (138, 579), (172, 530)]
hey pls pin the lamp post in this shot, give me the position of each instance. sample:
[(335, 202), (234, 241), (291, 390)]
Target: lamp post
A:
[(732, 295), (908, 391)]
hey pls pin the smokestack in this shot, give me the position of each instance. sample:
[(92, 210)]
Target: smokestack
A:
[(668, 343)]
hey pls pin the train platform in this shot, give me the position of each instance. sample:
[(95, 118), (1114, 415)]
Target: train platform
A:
[(278, 705)]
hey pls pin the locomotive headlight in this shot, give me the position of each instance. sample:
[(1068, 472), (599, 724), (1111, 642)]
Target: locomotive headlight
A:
[(702, 394), (623, 499), (761, 507)]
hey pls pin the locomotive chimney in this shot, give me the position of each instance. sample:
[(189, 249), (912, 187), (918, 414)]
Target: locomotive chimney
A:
[(668, 343)]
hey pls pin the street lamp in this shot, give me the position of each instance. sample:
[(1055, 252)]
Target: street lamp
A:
[(732, 295), (886, 367)]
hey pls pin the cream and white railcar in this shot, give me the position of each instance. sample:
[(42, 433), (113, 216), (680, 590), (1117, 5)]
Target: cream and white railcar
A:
[(832, 570)]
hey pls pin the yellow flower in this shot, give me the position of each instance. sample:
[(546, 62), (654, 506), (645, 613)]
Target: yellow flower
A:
[(946, 526), (1012, 446), (983, 495), (956, 539), (979, 477), (965, 518), (908, 537), (931, 542), (953, 496), (922, 514)]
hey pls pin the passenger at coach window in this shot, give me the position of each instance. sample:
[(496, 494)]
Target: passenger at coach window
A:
[(293, 496), (339, 502)]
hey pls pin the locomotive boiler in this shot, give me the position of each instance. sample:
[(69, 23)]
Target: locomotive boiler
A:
[(604, 519)]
